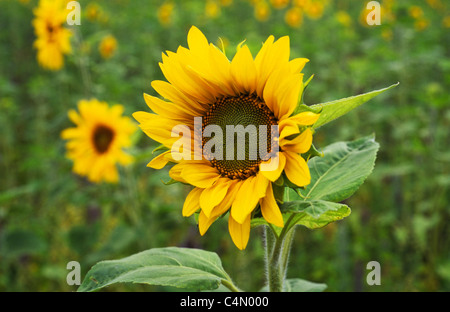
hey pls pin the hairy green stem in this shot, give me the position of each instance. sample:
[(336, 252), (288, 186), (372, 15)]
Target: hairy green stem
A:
[(277, 254)]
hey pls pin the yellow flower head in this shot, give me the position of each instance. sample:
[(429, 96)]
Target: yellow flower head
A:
[(446, 21), (205, 90), (294, 17), (108, 46), (314, 9), (415, 11), (279, 4), (165, 13), (344, 18), (53, 40), (212, 8), (96, 143), (421, 24), (261, 10)]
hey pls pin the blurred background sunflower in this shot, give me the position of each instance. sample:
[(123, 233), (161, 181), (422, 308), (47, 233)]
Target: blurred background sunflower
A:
[(53, 39), (49, 216), (96, 145)]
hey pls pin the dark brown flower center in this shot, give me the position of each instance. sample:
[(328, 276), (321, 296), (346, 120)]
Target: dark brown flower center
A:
[(102, 138), (245, 122)]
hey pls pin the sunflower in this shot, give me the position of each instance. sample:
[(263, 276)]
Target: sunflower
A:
[(95, 144), (53, 40), (107, 46), (261, 91)]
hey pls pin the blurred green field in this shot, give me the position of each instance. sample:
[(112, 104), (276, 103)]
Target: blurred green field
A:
[(400, 216)]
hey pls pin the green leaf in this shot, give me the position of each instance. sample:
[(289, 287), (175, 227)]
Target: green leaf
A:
[(299, 285), (172, 266), (314, 214), (16, 243), (121, 237), (342, 170), (335, 109)]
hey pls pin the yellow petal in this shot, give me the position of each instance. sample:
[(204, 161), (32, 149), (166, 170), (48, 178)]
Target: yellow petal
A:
[(159, 161), (288, 99), (243, 70), (300, 144), (175, 172), (196, 40), (73, 115), (296, 169), (273, 168), (273, 55), (259, 62), (192, 202), (287, 127), (200, 175), (174, 68), (297, 64), (70, 133), (167, 109), (239, 232), (212, 196), (270, 210), (226, 203), (205, 222), (250, 191), (171, 93), (157, 127), (305, 118), (261, 184)]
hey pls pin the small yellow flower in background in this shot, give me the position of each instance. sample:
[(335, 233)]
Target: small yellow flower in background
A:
[(446, 21), (53, 40), (279, 4), (262, 92), (344, 18), (212, 8), (421, 24), (314, 9), (435, 4), (387, 34), (107, 46), (226, 3), (386, 14), (261, 10), (165, 13), (301, 3), (294, 17), (96, 143), (415, 11), (93, 11)]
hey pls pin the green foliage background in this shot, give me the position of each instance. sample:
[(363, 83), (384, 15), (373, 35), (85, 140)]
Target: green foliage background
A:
[(400, 216)]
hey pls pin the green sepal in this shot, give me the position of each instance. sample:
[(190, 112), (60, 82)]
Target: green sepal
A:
[(278, 190), (305, 84), (279, 181), (313, 152), (305, 108), (170, 182)]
